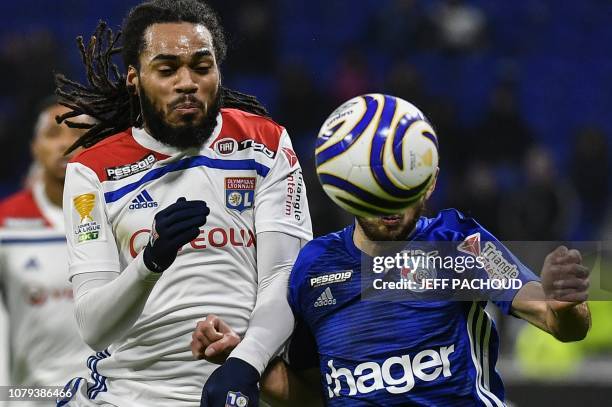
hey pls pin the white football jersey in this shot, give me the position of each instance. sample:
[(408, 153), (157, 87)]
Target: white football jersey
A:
[(44, 342), (251, 180)]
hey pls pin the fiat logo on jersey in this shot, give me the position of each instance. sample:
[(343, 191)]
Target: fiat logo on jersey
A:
[(226, 146)]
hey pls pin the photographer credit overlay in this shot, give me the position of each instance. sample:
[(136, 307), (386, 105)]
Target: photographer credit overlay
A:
[(472, 269)]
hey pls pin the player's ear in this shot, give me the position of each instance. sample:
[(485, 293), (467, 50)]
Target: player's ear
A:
[(432, 186), (132, 80)]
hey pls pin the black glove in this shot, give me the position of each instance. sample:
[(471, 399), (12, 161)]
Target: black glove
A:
[(234, 384), (173, 227)]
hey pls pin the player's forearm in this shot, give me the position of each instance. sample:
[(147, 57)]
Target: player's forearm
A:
[(270, 326), (272, 321), (570, 324), (106, 309), (567, 324)]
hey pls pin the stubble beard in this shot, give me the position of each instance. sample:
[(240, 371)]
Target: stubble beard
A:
[(375, 231)]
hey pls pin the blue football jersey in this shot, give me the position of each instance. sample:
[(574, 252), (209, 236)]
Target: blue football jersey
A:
[(398, 352)]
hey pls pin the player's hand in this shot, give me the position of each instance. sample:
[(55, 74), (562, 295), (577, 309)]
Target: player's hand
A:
[(173, 227), (213, 340), (565, 279), (235, 383)]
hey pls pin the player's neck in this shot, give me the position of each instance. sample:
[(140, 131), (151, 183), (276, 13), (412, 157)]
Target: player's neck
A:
[(54, 189)]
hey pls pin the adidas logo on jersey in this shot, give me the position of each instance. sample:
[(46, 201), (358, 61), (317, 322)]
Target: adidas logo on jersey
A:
[(32, 264), (326, 298), (142, 201)]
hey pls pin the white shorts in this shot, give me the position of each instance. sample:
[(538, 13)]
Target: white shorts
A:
[(80, 389), (80, 397), (100, 390)]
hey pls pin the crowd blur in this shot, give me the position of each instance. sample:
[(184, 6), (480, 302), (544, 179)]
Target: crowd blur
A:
[(518, 91)]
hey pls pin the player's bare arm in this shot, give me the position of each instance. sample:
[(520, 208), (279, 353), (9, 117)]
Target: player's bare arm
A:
[(557, 304), (284, 387), (214, 340)]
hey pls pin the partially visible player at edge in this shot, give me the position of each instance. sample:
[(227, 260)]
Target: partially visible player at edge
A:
[(365, 352), (45, 346), (178, 180)]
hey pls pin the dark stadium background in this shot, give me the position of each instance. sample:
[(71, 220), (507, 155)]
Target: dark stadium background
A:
[(520, 93)]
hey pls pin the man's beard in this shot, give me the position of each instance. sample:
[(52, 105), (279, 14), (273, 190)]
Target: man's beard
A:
[(371, 228), (181, 137)]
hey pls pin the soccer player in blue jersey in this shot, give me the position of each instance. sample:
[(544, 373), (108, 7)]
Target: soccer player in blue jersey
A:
[(369, 344), (421, 353), (411, 353)]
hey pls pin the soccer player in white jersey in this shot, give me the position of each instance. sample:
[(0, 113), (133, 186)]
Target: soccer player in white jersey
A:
[(187, 201), (45, 346)]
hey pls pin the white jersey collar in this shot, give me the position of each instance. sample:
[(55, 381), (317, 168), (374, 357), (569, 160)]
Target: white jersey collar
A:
[(147, 141), (50, 211)]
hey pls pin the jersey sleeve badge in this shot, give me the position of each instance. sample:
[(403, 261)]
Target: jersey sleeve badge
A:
[(86, 217)]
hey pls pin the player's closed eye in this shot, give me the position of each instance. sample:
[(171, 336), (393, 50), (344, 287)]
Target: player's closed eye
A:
[(203, 69), (166, 70)]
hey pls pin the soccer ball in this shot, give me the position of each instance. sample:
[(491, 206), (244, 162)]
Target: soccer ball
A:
[(376, 155)]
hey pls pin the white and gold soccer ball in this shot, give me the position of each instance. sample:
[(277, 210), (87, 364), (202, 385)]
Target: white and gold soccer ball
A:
[(376, 155)]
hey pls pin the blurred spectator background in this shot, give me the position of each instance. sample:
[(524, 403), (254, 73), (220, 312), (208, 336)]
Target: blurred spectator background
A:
[(519, 92)]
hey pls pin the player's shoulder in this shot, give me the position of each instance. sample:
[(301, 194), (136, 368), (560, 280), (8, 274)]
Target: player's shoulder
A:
[(251, 123), (116, 152), (452, 224), (20, 208), (318, 246), (320, 254), (244, 131)]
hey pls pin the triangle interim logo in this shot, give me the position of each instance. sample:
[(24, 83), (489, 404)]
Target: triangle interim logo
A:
[(470, 245)]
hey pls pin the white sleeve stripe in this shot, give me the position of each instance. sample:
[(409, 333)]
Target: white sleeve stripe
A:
[(475, 349)]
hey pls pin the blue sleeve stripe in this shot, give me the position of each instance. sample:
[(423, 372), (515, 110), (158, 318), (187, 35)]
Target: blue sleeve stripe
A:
[(186, 163), (34, 240)]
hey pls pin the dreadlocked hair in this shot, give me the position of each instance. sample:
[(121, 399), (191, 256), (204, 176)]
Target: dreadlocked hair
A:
[(106, 96)]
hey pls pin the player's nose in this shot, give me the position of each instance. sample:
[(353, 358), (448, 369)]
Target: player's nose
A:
[(185, 82)]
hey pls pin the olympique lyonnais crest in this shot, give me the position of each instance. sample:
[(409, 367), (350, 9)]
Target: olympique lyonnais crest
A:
[(239, 193)]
